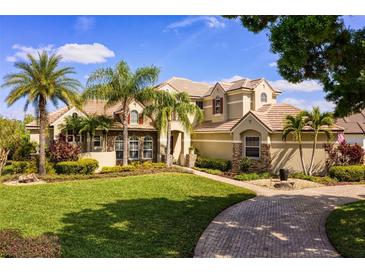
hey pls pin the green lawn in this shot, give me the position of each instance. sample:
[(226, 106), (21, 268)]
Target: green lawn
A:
[(346, 229), (159, 215)]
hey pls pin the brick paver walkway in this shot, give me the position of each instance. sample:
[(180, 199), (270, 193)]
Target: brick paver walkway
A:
[(275, 223)]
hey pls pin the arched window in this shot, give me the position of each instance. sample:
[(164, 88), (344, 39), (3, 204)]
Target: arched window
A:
[(134, 117), (75, 115), (133, 148), (147, 147), (263, 97), (119, 147)]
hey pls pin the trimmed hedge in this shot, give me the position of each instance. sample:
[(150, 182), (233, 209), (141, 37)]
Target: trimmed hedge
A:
[(25, 167), (115, 169), (348, 173), (82, 166), (14, 245), (211, 163), (252, 176), (316, 179)]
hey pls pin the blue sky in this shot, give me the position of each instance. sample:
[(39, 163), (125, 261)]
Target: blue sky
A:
[(201, 48)]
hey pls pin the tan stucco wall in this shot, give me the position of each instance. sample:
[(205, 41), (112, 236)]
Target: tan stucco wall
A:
[(286, 154), (104, 158), (263, 87), (250, 123), (218, 145)]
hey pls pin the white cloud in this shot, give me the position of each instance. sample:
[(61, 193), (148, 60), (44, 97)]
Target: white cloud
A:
[(85, 53), (305, 86), (78, 53), (210, 21), (309, 104), (84, 23), (273, 64), (233, 78)]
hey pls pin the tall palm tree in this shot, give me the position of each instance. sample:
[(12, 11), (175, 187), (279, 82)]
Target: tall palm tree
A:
[(121, 85), (105, 123), (294, 126), (165, 106), (319, 122), (40, 81)]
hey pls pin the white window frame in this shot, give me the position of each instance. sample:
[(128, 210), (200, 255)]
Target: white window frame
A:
[(149, 149), (265, 96), (119, 138), (259, 146), (137, 120), (135, 139), (217, 99), (73, 136), (100, 140)]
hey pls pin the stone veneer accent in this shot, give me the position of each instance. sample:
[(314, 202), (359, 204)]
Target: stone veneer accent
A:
[(261, 165)]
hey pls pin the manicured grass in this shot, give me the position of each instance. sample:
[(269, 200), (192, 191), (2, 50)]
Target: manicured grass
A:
[(160, 215), (346, 229)]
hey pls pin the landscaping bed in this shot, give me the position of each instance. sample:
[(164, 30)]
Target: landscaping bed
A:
[(157, 215), (346, 229)]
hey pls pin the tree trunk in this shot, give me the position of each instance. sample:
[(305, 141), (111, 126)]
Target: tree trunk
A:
[(42, 135), (125, 139), (301, 156), (313, 153), (3, 158), (168, 159)]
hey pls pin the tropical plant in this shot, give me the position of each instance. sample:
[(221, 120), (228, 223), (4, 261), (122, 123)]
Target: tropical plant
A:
[(10, 135), (105, 123), (294, 126), (89, 125), (72, 123), (344, 154), (165, 106), (121, 85), (40, 81), (60, 150), (319, 122)]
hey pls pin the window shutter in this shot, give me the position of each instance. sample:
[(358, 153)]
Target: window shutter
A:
[(140, 119), (222, 105), (129, 119), (213, 106)]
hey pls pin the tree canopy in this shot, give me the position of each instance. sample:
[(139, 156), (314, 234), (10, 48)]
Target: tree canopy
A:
[(318, 48)]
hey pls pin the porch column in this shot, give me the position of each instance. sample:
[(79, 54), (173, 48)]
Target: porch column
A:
[(237, 156)]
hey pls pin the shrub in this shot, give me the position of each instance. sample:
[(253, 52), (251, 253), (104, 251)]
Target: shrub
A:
[(26, 167), (252, 176), (317, 179), (83, 166), (245, 164), (115, 169), (348, 173), (14, 245), (211, 163), (210, 171), (344, 154), (60, 150), (24, 150)]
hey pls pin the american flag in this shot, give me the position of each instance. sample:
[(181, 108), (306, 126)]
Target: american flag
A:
[(340, 138)]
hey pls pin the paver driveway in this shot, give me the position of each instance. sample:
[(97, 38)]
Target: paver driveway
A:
[(275, 223)]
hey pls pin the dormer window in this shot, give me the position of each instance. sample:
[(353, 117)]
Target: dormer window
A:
[(263, 97), (134, 117), (217, 105)]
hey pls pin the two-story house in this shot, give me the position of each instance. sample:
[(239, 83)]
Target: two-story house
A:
[(241, 119)]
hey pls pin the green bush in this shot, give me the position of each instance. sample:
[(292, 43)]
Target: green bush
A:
[(83, 166), (348, 173), (26, 167), (252, 176), (115, 169), (211, 163), (210, 171), (317, 179), (245, 164)]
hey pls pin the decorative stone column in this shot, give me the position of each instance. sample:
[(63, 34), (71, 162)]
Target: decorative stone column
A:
[(236, 158)]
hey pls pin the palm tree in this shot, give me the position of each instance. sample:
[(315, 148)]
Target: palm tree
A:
[(72, 123), (318, 121), (40, 81), (294, 125), (105, 123), (89, 125), (121, 85), (165, 106)]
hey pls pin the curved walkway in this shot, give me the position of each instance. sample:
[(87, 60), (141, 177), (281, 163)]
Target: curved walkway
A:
[(275, 223)]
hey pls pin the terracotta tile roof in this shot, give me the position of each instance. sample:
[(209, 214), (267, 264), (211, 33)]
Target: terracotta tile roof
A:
[(217, 126), (353, 124), (53, 116)]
